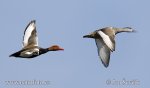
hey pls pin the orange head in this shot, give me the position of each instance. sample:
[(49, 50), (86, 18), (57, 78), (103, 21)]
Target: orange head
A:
[(55, 48)]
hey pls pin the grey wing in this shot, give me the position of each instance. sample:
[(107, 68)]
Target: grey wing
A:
[(103, 52)]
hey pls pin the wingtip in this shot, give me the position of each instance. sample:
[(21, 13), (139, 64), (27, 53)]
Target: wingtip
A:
[(33, 21), (105, 65)]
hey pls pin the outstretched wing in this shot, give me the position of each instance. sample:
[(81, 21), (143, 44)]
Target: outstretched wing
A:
[(30, 35), (103, 52)]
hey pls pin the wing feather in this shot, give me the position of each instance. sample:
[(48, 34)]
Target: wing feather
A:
[(30, 35), (103, 52), (107, 40)]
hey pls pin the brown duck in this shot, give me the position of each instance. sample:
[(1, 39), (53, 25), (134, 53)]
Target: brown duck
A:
[(105, 41)]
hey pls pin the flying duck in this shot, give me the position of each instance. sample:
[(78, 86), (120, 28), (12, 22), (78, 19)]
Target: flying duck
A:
[(105, 41), (30, 44)]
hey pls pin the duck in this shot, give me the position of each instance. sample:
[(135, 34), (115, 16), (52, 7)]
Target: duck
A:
[(30, 44), (105, 41)]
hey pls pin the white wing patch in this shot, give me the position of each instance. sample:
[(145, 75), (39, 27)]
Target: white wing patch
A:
[(30, 36), (28, 53), (106, 40), (27, 34), (103, 52)]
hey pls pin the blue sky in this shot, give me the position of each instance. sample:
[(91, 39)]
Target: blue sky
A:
[(64, 22)]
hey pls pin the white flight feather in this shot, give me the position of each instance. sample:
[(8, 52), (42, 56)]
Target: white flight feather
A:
[(106, 40), (28, 33)]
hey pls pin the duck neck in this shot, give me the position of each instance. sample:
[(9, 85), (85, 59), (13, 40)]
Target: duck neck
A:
[(43, 50)]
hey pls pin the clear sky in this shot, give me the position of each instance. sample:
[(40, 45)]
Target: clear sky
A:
[(64, 22)]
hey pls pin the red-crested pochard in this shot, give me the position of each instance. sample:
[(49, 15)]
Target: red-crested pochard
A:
[(30, 44)]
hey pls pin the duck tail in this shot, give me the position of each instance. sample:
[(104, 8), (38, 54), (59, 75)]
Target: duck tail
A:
[(14, 54)]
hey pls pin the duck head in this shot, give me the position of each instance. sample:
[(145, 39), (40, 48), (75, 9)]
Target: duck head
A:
[(55, 48), (129, 29)]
